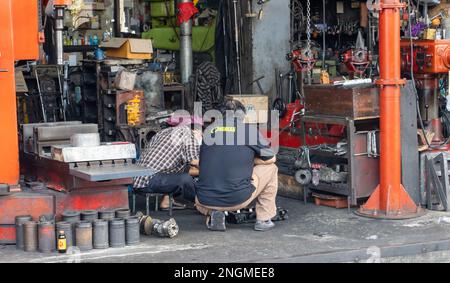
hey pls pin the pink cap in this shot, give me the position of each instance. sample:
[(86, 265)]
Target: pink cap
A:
[(184, 120)]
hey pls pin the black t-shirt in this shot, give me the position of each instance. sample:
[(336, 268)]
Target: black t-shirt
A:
[(226, 162)]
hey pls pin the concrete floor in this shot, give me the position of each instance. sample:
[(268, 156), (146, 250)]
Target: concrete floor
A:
[(312, 234)]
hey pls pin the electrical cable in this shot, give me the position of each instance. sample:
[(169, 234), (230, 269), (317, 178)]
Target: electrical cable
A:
[(422, 126)]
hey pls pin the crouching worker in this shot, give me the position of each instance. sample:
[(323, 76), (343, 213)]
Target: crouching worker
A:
[(237, 168), (171, 154)]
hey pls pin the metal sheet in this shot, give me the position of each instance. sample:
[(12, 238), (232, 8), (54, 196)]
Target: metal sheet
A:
[(410, 156), (113, 151), (28, 132), (109, 172), (64, 132)]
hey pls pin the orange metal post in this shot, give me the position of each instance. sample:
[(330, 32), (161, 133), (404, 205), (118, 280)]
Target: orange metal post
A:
[(19, 41), (390, 199), (9, 148)]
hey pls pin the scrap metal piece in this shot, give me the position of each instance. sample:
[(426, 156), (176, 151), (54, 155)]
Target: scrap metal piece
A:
[(109, 172), (167, 228), (303, 176), (150, 226)]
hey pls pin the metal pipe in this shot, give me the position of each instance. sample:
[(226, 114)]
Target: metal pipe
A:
[(186, 56), (324, 42), (390, 199), (59, 27), (238, 51)]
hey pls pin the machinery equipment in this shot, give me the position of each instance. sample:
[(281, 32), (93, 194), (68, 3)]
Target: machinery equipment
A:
[(357, 59), (430, 64), (62, 174)]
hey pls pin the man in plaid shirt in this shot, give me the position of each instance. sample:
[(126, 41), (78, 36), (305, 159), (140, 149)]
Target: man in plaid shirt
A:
[(171, 153)]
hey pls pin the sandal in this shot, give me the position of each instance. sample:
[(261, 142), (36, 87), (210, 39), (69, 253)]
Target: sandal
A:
[(175, 206)]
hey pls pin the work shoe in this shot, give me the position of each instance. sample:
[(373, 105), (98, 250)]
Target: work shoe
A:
[(264, 225), (216, 221)]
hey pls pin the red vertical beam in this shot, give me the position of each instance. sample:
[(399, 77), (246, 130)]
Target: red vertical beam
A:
[(390, 199), (9, 148)]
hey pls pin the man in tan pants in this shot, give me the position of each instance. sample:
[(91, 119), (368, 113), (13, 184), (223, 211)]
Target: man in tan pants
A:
[(265, 180), (237, 167)]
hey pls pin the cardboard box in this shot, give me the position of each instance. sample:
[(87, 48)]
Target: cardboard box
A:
[(257, 107), (128, 48)]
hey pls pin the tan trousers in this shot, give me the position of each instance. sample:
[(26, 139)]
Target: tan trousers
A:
[(265, 180)]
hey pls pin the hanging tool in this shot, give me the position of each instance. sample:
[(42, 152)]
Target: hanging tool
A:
[(258, 83), (250, 13), (261, 10)]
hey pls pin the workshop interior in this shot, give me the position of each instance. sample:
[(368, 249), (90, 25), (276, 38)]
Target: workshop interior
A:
[(360, 90)]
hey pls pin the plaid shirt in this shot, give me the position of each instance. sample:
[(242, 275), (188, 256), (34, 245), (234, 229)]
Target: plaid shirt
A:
[(169, 151)]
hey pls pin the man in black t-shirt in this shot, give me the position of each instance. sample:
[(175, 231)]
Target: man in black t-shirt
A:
[(237, 167)]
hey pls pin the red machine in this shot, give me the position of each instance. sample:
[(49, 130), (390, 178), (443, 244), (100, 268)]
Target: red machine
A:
[(302, 59), (431, 62), (357, 59)]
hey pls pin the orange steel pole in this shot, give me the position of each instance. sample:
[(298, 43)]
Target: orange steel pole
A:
[(390, 199), (9, 147)]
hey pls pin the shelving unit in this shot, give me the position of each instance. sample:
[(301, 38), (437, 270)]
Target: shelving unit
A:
[(363, 175)]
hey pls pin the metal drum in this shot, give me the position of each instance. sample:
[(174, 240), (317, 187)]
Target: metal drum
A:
[(72, 217), (132, 235), (89, 215), (83, 238), (100, 234), (123, 213), (107, 214), (19, 229), (68, 231), (117, 233), (46, 237), (30, 236)]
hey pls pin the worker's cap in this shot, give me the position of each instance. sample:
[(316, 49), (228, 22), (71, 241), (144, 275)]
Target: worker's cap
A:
[(184, 120)]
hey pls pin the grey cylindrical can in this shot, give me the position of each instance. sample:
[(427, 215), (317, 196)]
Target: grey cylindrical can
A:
[(89, 215), (123, 213), (100, 234), (117, 233), (107, 214), (68, 231), (30, 236), (46, 237), (83, 232), (132, 235), (19, 229), (71, 216)]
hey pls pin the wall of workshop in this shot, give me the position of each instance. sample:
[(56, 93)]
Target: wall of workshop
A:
[(271, 37)]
